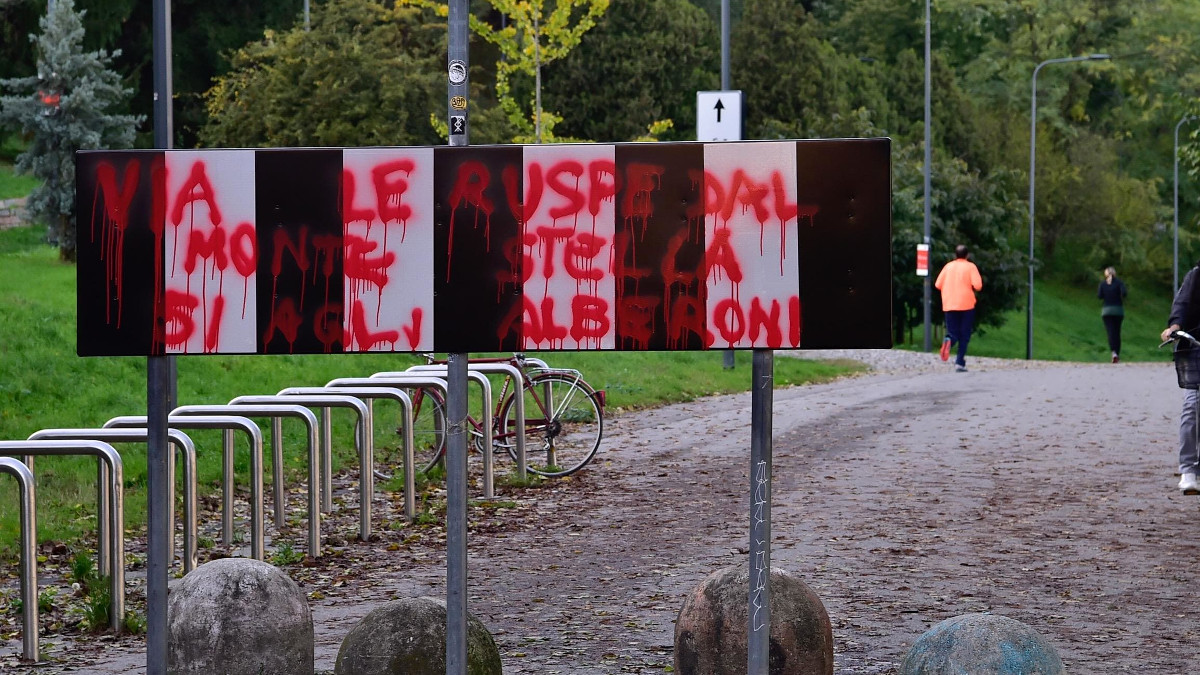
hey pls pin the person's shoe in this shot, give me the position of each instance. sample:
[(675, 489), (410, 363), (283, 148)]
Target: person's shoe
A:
[(1116, 358), (945, 351), (960, 369), (1187, 484)]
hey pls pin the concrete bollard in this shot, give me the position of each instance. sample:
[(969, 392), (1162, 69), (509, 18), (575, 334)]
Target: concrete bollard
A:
[(408, 637), (238, 616), (710, 633), (981, 644)]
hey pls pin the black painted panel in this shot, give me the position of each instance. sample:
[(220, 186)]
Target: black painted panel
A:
[(120, 254), (660, 230), (477, 251), (299, 222), (845, 246)]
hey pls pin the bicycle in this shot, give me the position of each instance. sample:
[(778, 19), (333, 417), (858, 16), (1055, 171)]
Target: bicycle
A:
[(563, 413), (1187, 363)]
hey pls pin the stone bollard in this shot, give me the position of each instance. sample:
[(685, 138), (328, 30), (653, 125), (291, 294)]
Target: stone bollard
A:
[(238, 616), (710, 633), (408, 637), (981, 644)]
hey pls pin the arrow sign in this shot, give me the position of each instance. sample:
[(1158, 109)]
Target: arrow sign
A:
[(726, 123)]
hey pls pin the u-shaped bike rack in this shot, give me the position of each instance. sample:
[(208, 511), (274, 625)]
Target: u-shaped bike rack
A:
[(187, 452), (228, 424), (114, 529), (369, 394), (485, 386), (365, 444), (274, 413), (29, 587), (508, 370)]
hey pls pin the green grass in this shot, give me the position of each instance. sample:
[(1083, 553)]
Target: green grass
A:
[(12, 185), (1067, 327), (43, 384)]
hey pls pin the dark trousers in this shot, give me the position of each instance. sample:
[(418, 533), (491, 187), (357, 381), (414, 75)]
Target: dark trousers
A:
[(959, 325), (1112, 325)]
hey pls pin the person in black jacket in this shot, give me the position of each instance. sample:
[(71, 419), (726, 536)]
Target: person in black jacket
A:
[(1112, 294), (1185, 315)]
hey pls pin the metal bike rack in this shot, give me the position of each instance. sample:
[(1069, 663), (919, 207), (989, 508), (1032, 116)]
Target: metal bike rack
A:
[(229, 424), (485, 387), (112, 529), (365, 445), (29, 589), (410, 382), (369, 394), (275, 412), (187, 451), (519, 400)]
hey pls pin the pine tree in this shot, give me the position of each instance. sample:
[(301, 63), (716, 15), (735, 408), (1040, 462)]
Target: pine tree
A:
[(65, 107)]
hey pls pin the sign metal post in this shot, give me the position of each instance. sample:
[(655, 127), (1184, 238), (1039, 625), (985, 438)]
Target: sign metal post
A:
[(457, 99), (159, 395), (762, 398)]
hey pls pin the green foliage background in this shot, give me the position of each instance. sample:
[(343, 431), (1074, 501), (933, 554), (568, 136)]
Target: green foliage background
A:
[(372, 72)]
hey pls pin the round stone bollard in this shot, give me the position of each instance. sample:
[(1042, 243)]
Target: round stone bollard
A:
[(408, 637), (710, 633), (981, 644), (238, 616)]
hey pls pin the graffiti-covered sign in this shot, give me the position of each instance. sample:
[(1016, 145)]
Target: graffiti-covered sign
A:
[(655, 246)]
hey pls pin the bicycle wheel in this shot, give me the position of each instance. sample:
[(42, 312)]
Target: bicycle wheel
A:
[(429, 429), (563, 424)]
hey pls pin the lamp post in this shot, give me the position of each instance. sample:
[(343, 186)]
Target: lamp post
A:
[(1032, 172), (928, 177), (1175, 268)]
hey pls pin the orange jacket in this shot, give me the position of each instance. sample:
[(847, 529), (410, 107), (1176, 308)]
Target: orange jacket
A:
[(958, 281)]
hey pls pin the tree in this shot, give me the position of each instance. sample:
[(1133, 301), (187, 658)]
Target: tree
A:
[(65, 107), (531, 38), (365, 74), (643, 62)]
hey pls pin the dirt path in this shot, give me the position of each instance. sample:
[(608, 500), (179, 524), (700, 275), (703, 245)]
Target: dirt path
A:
[(1045, 494)]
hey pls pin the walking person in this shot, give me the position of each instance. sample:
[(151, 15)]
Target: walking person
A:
[(1185, 315), (1112, 294), (958, 281)]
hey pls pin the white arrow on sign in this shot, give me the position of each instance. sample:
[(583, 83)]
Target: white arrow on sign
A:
[(719, 115)]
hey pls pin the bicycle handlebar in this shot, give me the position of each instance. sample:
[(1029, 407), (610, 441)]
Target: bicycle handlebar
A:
[(1181, 335)]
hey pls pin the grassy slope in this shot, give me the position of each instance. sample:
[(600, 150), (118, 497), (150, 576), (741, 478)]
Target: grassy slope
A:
[(44, 384), (1067, 327), (12, 185)]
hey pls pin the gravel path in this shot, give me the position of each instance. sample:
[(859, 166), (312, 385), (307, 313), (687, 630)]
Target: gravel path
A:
[(1041, 491)]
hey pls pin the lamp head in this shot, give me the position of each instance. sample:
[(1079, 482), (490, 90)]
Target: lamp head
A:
[(1098, 57)]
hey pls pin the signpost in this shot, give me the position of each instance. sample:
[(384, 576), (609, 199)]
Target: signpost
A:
[(629, 247), (719, 115)]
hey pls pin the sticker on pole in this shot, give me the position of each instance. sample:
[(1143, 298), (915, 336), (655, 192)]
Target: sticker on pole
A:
[(458, 125), (458, 72), (922, 260)]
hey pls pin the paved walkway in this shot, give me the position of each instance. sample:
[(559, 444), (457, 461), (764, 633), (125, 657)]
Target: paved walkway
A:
[(1043, 492)]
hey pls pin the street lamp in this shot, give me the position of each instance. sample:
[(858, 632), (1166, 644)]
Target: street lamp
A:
[(1185, 118), (1032, 170), (928, 178)]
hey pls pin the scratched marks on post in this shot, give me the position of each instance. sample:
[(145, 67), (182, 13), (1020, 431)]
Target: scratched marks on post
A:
[(760, 565)]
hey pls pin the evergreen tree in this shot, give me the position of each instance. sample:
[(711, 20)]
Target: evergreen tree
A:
[(66, 106)]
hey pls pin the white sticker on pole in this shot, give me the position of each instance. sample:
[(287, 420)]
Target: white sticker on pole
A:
[(922, 260), (719, 115)]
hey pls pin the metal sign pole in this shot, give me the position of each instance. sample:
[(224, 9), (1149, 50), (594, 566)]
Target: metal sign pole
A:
[(159, 392), (762, 398), (457, 96)]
